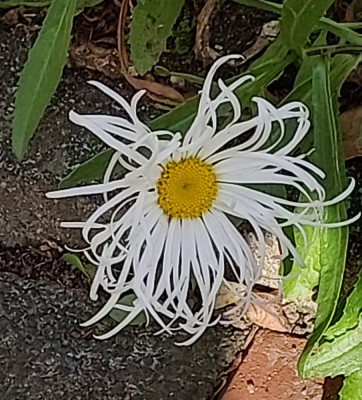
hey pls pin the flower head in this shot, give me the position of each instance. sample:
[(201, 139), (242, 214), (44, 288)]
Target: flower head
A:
[(171, 223)]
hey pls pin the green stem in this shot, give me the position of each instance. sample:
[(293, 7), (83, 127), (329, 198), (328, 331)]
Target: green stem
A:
[(333, 49)]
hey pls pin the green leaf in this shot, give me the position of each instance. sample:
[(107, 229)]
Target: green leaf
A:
[(262, 5), (299, 18), (300, 283), (352, 387), (152, 21), (179, 119), (332, 241), (119, 315), (91, 170), (27, 3), (36, 3), (87, 269), (339, 29), (341, 66), (351, 312), (88, 3), (41, 73), (342, 356)]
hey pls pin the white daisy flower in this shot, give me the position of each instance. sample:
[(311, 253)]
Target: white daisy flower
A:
[(170, 226)]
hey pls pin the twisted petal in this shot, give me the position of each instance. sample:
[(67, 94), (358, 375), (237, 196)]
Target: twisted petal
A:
[(167, 261)]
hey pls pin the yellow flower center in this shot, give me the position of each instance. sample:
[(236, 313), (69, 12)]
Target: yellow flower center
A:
[(186, 188)]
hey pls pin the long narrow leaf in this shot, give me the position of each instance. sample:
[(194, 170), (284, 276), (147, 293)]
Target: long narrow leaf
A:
[(341, 66), (332, 241), (42, 3), (41, 73), (27, 3), (304, 281), (91, 170), (342, 31)]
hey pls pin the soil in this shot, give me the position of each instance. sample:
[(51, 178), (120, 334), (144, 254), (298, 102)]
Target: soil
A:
[(41, 264), (44, 354)]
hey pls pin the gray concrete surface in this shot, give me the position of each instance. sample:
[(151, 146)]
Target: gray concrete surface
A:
[(43, 352), (44, 355), (26, 216)]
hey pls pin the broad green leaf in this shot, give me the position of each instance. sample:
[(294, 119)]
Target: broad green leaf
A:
[(91, 170), (86, 269), (299, 18), (41, 73), (152, 21), (266, 69), (332, 241), (352, 387), (300, 284), (119, 315), (342, 356), (351, 312)]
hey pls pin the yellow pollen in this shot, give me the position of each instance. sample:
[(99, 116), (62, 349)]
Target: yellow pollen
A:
[(186, 188)]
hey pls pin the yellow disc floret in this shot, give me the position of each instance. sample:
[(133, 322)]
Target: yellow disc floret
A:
[(186, 188)]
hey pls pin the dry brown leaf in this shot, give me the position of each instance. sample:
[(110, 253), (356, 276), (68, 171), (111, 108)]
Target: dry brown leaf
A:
[(351, 129), (227, 296), (268, 33), (268, 316), (95, 57), (202, 49), (356, 76), (13, 16), (161, 93), (270, 276)]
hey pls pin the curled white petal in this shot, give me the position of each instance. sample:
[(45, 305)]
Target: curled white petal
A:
[(163, 260)]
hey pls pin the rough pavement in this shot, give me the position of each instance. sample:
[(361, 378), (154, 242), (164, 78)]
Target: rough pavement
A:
[(43, 352), (44, 355)]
